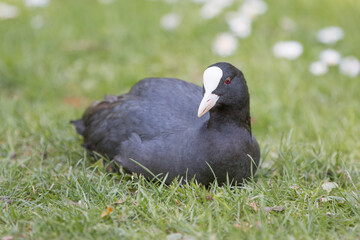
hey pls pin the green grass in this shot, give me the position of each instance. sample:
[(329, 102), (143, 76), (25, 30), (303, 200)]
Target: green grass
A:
[(308, 127)]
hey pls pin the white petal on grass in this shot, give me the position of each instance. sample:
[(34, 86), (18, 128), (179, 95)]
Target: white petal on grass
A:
[(290, 50), (350, 66), (171, 1), (106, 1), (330, 35), (287, 24), (213, 8), (253, 8), (318, 68), (199, 1), (37, 22), (8, 11), (225, 44), (239, 25), (224, 3), (210, 10), (36, 3), (170, 21), (332, 198), (328, 186), (330, 56), (174, 236)]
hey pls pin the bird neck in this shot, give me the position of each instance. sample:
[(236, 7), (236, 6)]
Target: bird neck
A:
[(226, 115)]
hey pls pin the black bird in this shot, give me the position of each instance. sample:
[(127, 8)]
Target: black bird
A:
[(159, 127)]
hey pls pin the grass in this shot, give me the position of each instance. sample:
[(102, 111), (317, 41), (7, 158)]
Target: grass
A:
[(307, 126)]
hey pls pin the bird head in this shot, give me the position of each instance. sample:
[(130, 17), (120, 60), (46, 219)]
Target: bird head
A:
[(224, 85)]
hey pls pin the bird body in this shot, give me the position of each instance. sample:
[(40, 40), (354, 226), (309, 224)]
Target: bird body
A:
[(156, 127)]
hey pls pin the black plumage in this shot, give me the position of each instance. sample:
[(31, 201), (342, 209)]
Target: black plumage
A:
[(156, 125)]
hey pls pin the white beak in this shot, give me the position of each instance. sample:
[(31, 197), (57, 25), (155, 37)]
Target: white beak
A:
[(208, 101)]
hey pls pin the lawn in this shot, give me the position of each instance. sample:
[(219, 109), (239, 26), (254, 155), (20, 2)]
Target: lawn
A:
[(56, 59)]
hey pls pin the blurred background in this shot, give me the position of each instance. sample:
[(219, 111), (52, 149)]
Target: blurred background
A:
[(59, 56)]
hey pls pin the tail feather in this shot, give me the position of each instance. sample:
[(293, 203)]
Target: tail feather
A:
[(79, 126)]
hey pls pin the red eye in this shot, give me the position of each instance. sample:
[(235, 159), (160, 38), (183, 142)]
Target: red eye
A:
[(227, 80)]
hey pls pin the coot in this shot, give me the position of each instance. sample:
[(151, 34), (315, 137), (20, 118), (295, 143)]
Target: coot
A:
[(166, 126)]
